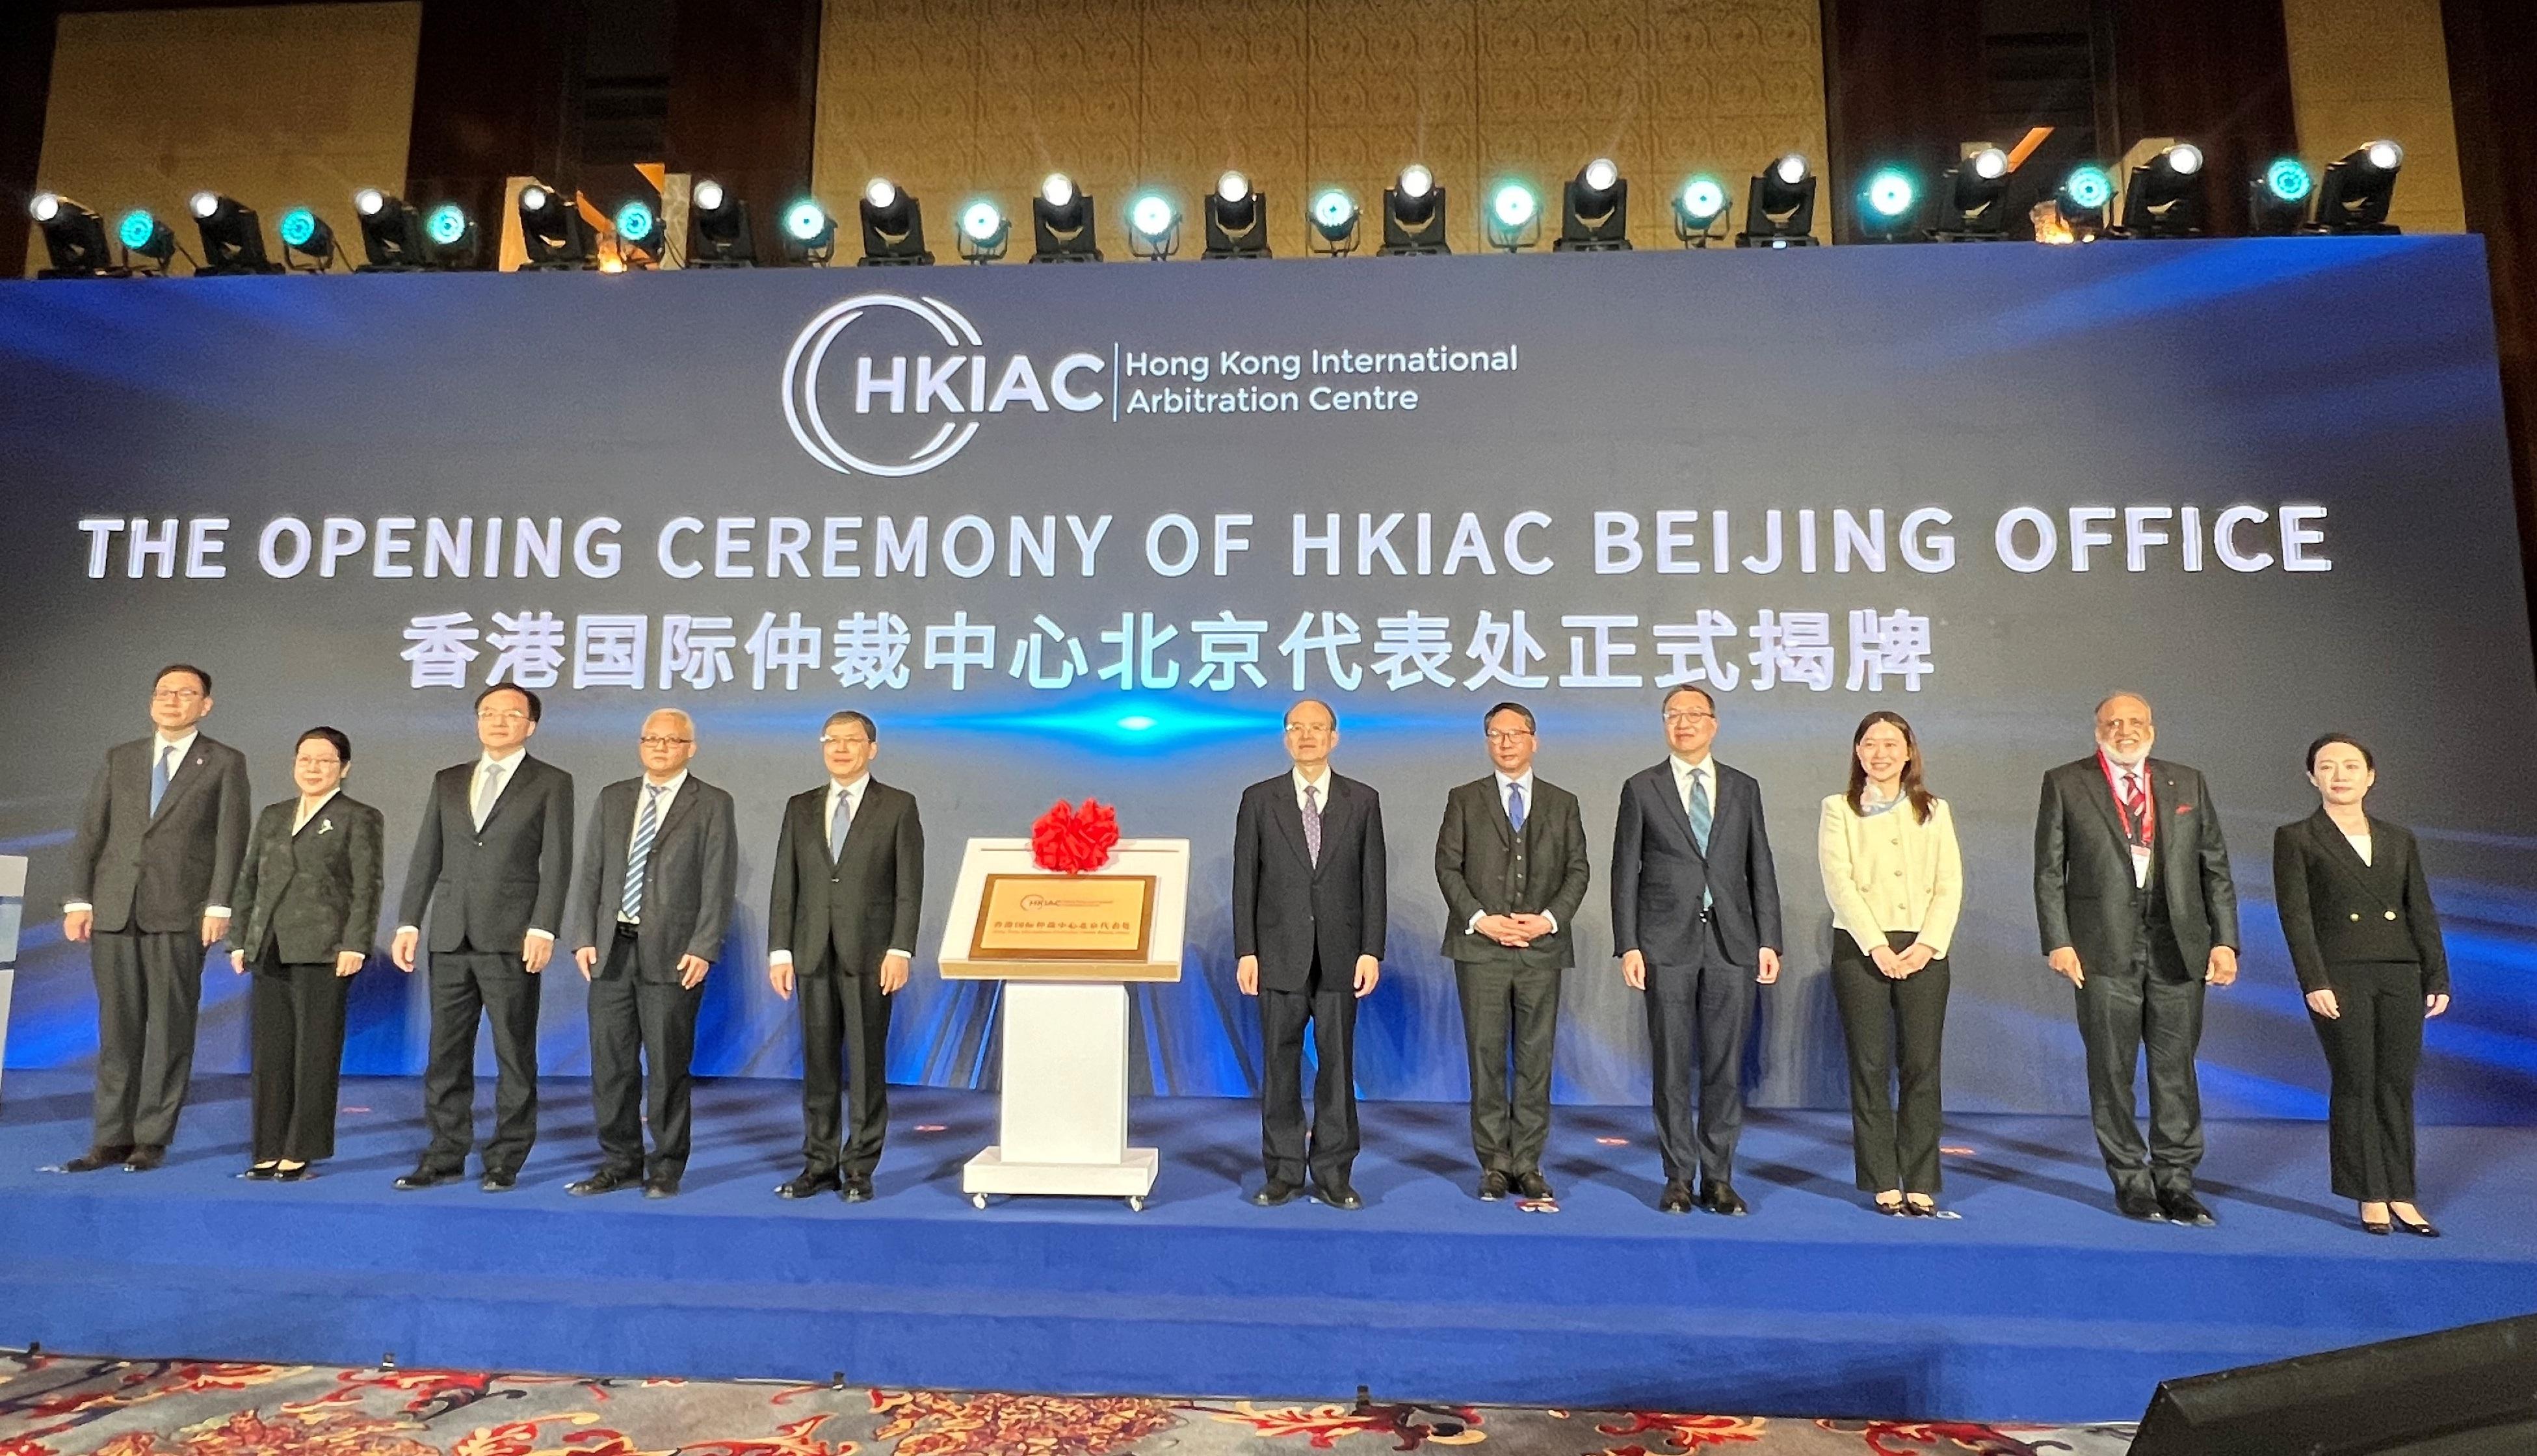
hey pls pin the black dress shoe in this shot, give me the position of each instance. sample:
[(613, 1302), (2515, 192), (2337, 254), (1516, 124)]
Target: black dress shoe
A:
[(2182, 1207), (96, 1157), (661, 1187), (858, 1188), (2423, 1230), (261, 1172), (1676, 1197), (1274, 1192), (146, 1158), (1722, 1198), (606, 1180), (498, 1181), (1493, 1186), (428, 1177), (1534, 1186), (1337, 1195), (2381, 1227), (301, 1174), (2139, 1203), (809, 1185)]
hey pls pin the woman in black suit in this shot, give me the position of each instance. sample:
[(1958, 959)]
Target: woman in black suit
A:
[(2365, 943), (308, 907)]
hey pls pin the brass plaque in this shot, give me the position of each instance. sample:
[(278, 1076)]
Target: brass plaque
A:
[(1064, 917)]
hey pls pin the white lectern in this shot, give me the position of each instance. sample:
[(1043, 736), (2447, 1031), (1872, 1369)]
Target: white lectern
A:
[(12, 905), (1065, 946)]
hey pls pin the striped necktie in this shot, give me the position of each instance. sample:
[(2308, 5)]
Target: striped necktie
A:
[(630, 908)]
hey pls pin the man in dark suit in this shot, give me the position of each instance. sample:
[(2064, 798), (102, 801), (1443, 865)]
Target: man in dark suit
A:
[(1696, 919), (1510, 860), (841, 921), (492, 863), (649, 906), (152, 864), (2138, 912), (1309, 917)]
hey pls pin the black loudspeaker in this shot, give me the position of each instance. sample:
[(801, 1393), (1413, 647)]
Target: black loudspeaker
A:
[(2463, 1392)]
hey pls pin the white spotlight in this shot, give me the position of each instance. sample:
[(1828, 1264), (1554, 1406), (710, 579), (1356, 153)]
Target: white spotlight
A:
[(1600, 175), (2186, 159), (1058, 189), (2387, 156), (44, 207), (880, 192), (1991, 164), (707, 197), (1233, 187), (1415, 181), (1792, 168)]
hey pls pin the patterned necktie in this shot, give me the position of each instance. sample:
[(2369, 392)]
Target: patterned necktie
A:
[(1313, 824), (488, 789), (1515, 806), (2138, 826), (631, 907), (161, 768), (838, 818), (1699, 809)]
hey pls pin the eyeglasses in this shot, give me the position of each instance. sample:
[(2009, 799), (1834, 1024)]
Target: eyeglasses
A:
[(1685, 717), (328, 762), (840, 740), (501, 714), (175, 695), (655, 740), (1508, 735)]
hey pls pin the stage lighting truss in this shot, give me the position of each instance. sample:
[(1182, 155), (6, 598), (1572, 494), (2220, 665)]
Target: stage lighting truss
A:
[(1973, 198), (985, 232), (2277, 202), (1594, 211), (391, 232), (810, 234), (2354, 194), (233, 237), (304, 235), (1780, 206), (893, 226), (1699, 211), (143, 235), (552, 231), (1153, 228), (74, 238), (451, 239), (1334, 224), (641, 240), (1512, 220), (1237, 219), (718, 234), (1063, 229), (2082, 199), (1413, 214), (2164, 196), (1889, 206)]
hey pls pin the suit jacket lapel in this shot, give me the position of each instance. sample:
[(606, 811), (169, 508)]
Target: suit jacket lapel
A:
[(502, 792), (2102, 794), (1289, 816), (194, 768), (855, 825), (1336, 816), (2337, 850), (678, 814), (1498, 819), (1669, 788)]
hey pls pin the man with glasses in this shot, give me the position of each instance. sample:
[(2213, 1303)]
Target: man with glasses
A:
[(153, 863), (649, 906), (848, 890), (492, 863), (1696, 919), (1510, 860), (1309, 916)]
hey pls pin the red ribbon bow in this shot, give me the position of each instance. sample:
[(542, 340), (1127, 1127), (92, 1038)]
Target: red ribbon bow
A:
[(1073, 841)]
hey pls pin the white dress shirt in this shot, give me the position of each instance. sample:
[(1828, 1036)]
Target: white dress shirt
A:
[(853, 795), (2359, 844), (1700, 777), (1505, 801), (160, 744), (1320, 786)]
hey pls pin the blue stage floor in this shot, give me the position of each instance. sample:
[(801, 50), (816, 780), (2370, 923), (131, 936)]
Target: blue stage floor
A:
[(2039, 1305)]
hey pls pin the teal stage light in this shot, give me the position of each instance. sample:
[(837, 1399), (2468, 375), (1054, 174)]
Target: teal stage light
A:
[(445, 225), (1153, 226), (140, 233), (1333, 216), (1891, 204), (1514, 218), (985, 232), (299, 227)]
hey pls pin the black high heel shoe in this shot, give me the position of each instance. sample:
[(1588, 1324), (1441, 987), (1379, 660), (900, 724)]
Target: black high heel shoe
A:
[(2423, 1230), (260, 1172)]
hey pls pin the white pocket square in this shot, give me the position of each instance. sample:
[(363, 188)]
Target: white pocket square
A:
[(325, 826)]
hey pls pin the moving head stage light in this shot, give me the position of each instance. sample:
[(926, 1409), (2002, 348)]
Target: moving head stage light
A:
[(1594, 211), (2164, 197), (74, 238), (1973, 198), (233, 237), (1063, 227), (552, 231), (1237, 220), (1779, 206), (1413, 214), (718, 233), (2354, 194), (893, 226)]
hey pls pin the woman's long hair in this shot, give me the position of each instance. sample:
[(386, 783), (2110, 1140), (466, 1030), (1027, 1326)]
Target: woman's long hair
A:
[(1923, 801)]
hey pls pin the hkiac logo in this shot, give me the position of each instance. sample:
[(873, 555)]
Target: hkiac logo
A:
[(909, 382)]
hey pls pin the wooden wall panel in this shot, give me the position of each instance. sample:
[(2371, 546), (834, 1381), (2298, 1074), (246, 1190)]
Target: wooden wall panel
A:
[(2365, 69)]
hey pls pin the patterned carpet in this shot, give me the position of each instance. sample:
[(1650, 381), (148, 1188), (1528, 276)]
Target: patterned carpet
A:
[(53, 1405)]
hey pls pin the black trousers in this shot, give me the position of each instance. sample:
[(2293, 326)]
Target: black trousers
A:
[(845, 1058), (1500, 997), (1329, 1002), (497, 986), (633, 1021), (2372, 1050), (2155, 1004), (149, 998), (1893, 1029), (296, 1054), (1698, 1019)]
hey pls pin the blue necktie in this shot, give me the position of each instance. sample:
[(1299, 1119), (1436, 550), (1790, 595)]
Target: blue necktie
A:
[(1515, 806), (1699, 818), (161, 770), (838, 819), (630, 908)]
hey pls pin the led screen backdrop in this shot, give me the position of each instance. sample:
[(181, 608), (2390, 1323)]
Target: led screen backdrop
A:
[(1070, 531)]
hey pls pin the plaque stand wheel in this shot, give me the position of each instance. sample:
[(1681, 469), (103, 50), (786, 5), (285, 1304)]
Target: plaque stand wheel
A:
[(1065, 947)]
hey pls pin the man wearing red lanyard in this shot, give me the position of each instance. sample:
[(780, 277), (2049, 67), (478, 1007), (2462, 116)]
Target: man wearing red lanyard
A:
[(2137, 912)]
